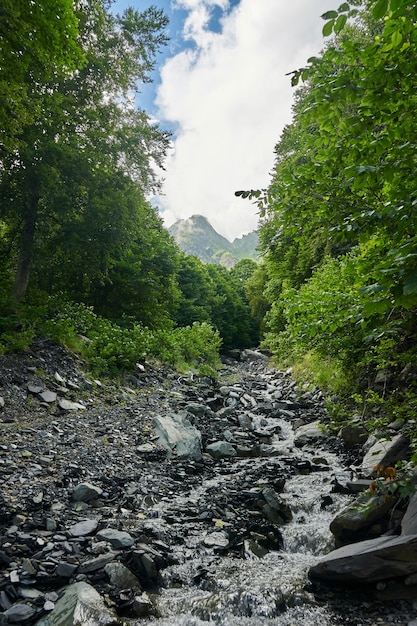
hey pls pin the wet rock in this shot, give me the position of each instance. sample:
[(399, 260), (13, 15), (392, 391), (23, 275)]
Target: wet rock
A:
[(309, 433), (221, 450), (85, 492), (377, 559), (385, 452), (120, 576), (81, 604), (118, 539), (19, 613), (178, 436), (364, 517)]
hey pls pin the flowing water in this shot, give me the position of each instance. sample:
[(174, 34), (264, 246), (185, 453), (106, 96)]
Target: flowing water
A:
[(270, 589)]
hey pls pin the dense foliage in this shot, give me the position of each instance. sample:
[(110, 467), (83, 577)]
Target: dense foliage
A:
[(82, 251), (339, 229)]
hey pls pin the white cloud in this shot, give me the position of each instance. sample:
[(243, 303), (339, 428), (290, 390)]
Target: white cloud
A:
[(230, 97)]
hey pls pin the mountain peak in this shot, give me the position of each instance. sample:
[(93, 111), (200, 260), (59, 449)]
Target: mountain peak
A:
[(196, 236)]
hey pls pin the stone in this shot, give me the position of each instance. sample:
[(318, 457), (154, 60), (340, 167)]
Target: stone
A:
[(252, 355), (142, 606), (68, 405), (85, 492), (47, 396), (354, 521), (178, 436), (309, 433), (409, 521), (65, 570), (99, 562), (19, 613), (385, 452), (221, 450), (373, 560), (83, 528), (121, 577), (119, 539), (81, 604), (353, 434)]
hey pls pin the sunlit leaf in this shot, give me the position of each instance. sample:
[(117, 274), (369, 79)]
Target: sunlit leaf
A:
[(340, 23), (328, 28)]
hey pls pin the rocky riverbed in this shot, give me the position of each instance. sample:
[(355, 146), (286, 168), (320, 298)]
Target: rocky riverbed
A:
[(164, 499)]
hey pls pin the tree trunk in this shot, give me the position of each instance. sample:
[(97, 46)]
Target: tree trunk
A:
[(26, 244)]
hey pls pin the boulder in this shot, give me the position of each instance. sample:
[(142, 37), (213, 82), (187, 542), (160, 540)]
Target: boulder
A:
[(81, 604), (118, 539), (178, 436), (409, 521), (221, 449), (85, 492), (252, 355), (308, 433), (385, 452), (353, 433), (364, 517), (368, 561)]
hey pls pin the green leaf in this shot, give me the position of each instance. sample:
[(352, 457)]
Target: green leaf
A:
[(343, 7), (328, 28), (380, 9), (410, 285), (329, 15), (396, 39), (340, 23)]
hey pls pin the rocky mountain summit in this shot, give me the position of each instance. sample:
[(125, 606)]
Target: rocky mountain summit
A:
[(115, 496), (196, 237)]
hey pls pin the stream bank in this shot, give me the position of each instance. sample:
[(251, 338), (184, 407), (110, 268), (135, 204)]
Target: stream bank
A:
[(101, 518)]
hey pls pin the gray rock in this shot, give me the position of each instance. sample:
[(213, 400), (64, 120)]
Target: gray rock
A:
[(79, 606), (2, 402), (99, 562), (252, 355), (197, 409), (84, 492), (86, 527), (47, 396), (372, 560), (178, 436), (385, 452), (353, 433), (19, 613), (67, 405), (409, 521), (121, 577), (361, 514), (65, 570), (308, 434), (142, 606), (221, 450), (117, 538)]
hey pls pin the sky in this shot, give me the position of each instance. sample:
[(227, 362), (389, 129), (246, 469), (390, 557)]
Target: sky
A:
[(221, 87)]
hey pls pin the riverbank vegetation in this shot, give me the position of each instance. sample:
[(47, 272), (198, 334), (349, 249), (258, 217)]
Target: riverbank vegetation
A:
[(339, 229)]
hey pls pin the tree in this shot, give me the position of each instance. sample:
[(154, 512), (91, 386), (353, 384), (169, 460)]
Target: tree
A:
[(37, 40), (88, 133)]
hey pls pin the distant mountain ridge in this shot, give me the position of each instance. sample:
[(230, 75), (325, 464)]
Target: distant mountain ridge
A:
[(196, 236)]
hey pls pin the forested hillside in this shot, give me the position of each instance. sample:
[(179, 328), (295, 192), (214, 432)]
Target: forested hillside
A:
[(339, 229), (85, 258)]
